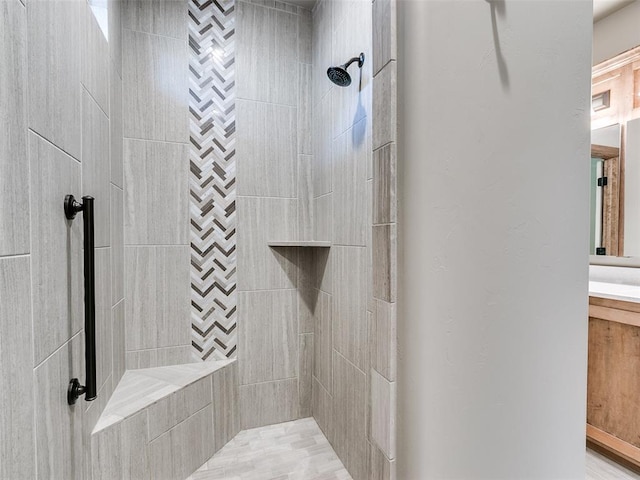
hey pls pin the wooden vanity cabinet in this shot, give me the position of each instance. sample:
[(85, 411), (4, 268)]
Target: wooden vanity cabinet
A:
[(613, 385)]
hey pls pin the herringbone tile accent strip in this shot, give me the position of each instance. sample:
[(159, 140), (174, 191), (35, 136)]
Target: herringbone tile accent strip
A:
[(212, 178)]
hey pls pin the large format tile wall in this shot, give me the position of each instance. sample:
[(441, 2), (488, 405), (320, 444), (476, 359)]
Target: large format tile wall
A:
[(275, 334), (61, 118), (155, 68), (354, 361)]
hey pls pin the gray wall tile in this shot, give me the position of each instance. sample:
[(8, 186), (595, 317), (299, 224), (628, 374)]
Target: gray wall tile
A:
[(323, 217), (155, 87), (157, 193), (157, 307), (307, 290), (114, 11), (305, 373), (350, 155), (57, 262), (383, 406), (160, 17), (115, 126), (54, 419), (262, 220), (268, 403), (158, 357), (384, 185), (350, 304), (267, 335), (54, 39), (322, 59), (349, 416), (16, 358), (384, 33), (117, 319), (305, 111), (305, 198), (226, 404), (269, 46), (104, 327), (117, 245), (266, 149), (14, 166), (135, 451), (106, 460), (323, 146), (322, 409), (96, 166), (179, 452), (322, 365), (385, 106), (177, 407), (383, 339), (95, 59), (305, 33), (380, 467), (385, 266)]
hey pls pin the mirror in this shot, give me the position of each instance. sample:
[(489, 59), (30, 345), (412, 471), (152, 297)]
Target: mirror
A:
[(604, 191), (632, 190), (615, 160), (615, 191)]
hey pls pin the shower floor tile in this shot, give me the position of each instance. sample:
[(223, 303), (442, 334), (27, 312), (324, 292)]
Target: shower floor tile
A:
[(286, 451)]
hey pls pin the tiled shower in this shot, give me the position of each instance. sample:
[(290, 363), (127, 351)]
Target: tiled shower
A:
[(245, 217)]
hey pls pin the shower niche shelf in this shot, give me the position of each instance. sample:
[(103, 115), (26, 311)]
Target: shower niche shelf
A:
[(299, 243)]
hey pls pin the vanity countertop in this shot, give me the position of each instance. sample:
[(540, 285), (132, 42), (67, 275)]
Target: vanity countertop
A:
[(615, 291)]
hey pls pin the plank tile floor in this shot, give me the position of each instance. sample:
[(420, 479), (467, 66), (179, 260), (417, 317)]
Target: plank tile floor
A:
[(299, 451), (295, 450), (600, 467)]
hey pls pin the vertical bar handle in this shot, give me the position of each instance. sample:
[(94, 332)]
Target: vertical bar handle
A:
[(75, 389)]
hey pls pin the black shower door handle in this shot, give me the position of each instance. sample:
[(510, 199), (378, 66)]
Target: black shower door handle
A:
[(75, 389)]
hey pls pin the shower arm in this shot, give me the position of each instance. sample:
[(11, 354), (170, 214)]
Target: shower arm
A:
[(75, 388), (359, 59)]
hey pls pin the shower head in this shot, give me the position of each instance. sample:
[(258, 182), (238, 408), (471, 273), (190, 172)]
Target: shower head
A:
[(340, 76)]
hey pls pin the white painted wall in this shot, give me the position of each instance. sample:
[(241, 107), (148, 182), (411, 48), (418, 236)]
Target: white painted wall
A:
[(616, 33), (494, 239)]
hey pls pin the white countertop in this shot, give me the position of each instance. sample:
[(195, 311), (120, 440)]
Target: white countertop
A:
[(615, 291)]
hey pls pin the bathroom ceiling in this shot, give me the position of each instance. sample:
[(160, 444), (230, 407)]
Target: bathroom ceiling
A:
[(303, 3), (603, 8)]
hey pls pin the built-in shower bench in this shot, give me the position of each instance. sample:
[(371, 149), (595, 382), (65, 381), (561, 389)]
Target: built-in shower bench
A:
[(165, 422)]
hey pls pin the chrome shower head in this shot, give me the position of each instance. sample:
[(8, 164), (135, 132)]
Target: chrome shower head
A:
[(340, 76)]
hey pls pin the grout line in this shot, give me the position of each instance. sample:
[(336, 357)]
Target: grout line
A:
[(158, 348), (15, 255), (152, 141), (270, 198), (267, 381), (186, 39), (54, 145), (288, 289), (249, 2), (387, 144), (162, 245), (384, 66), (58, 349), (348, 361), (288, 105), (84, 87)]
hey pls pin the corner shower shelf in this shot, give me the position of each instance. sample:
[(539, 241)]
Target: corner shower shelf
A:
[(139, 389), (311, 243)]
